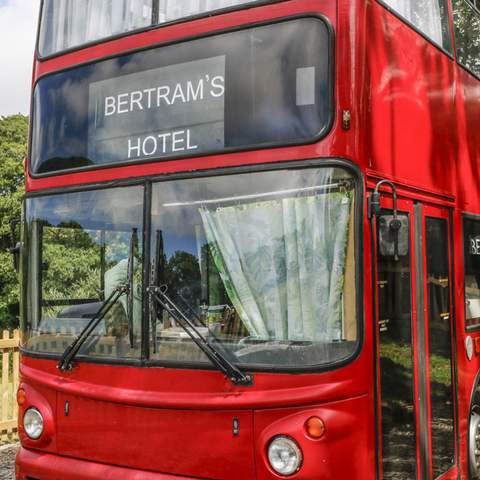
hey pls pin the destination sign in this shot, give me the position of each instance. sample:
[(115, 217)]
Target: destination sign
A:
[(165, 111), (258, 87)]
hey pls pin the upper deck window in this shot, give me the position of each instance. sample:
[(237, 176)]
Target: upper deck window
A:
[(466, 14), (68, 24), (430, 17), (252, 88)]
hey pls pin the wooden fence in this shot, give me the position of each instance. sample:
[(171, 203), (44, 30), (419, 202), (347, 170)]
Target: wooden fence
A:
[(10, 363)]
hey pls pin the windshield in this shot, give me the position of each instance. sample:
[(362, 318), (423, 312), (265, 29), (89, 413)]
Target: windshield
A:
[(262, 263), (265, 261), (77, 254), (71, 23)]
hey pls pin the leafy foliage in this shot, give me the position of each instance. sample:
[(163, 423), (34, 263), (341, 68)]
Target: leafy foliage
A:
[(13, 147), (467, 33)]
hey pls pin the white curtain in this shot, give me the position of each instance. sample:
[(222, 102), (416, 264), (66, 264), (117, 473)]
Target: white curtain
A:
[(68, 23), (282, 263), (174, 9), (423, 14)]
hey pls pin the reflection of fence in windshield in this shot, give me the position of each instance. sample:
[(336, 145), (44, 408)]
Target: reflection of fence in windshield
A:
[(269, 275)]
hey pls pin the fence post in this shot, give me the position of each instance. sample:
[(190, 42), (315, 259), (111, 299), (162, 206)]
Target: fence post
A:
[(10, 379)]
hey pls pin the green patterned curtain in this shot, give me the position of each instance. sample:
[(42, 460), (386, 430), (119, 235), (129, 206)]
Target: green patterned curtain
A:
[(282, 262)]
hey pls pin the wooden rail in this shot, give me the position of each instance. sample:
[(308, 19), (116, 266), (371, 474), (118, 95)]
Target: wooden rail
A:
[(10, 363)]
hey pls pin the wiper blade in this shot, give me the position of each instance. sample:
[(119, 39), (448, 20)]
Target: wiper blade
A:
[(66, 361), (215, 355), (130, 280)]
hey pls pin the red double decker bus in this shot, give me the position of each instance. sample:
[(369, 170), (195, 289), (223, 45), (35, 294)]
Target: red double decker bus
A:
[(251, 241)]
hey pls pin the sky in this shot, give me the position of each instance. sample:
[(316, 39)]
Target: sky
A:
[(18, 25)]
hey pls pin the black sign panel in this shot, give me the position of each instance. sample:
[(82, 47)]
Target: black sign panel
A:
[(264, 86)]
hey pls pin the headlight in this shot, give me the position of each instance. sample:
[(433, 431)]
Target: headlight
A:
[(33, 423), (284, 455)]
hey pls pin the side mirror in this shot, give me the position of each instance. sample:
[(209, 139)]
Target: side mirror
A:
[(393, 237), (16, 246)]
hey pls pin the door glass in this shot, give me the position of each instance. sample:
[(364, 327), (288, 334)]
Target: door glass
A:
[(396, 361), (440, 345)]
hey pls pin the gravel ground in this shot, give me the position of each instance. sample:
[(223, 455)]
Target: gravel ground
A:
[(7, 462)]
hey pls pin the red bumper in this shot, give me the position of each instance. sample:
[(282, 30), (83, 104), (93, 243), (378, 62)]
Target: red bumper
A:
[(45, 466)]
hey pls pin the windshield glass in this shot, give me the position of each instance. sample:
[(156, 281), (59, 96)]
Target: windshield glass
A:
[(264, 261), (71, 23), (77, 253)]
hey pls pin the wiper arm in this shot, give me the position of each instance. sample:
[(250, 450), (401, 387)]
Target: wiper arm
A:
[(218, 358), (66, 362), (130, 275)]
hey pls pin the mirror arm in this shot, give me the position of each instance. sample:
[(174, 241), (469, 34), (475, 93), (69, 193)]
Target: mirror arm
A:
[(374, 199)]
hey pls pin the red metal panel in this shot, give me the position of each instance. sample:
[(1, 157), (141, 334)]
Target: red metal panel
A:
[(181, 442), (31, 464), (339, 454)]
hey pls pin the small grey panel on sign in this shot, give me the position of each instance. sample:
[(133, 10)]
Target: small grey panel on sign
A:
[(305, 86)]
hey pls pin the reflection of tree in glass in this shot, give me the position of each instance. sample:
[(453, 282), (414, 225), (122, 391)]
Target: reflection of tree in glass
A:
[(71, 265), (182, 275)]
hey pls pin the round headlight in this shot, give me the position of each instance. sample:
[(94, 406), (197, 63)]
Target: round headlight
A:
[(33, 423), (284, 455)]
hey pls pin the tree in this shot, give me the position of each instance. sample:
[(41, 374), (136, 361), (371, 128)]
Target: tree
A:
[(13, 146)]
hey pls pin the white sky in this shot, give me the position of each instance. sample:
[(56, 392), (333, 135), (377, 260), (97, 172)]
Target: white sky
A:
[(18, 25)]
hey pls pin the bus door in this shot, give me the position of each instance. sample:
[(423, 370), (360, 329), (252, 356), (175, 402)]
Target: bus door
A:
[(416, 434)]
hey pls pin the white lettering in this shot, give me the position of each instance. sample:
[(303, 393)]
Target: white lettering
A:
[(194, 95), (474, 245), (110, 106), (164, 95), (218, 86), (133, 147), (149, 92), (178, 93), (153, 140), (189, 145), (164, 137), (177, 141), (136, 99), (122, 101)]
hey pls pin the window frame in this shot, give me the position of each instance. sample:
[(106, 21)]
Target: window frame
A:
[(449, 54), (147, 182), (24, 271), (220, 11), (331, 64)]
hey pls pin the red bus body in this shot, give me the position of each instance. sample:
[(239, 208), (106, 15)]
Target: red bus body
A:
[(414, 121)]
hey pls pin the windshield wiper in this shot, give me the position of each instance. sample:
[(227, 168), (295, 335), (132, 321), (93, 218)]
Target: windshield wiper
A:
[(130, 279), (214, 354), (66, 362)]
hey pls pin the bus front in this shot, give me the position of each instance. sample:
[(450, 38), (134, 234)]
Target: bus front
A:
[(191, 252)]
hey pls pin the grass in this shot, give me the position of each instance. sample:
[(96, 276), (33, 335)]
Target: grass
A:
[(440, 367)]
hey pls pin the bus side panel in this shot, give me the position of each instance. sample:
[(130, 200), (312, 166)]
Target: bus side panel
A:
[(412, 125)]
